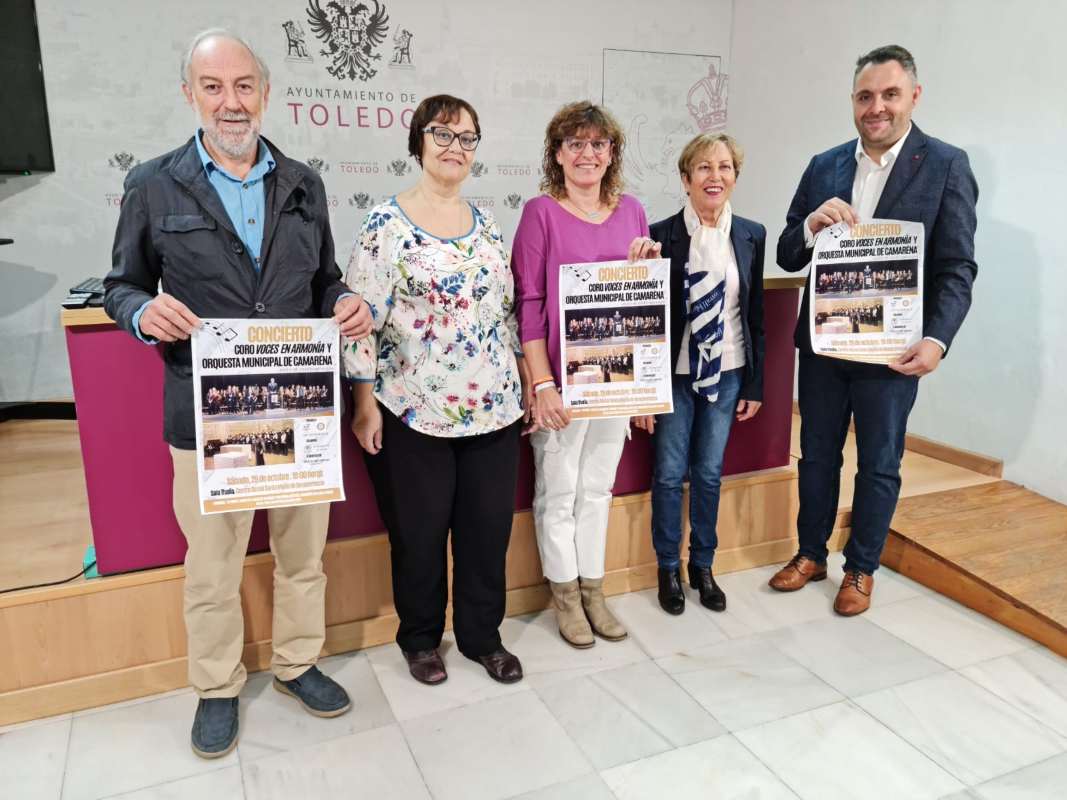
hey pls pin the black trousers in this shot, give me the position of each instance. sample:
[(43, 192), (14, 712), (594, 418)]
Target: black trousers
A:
[(426, 486)]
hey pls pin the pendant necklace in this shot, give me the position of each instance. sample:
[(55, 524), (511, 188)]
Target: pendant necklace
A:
[(591, 214)]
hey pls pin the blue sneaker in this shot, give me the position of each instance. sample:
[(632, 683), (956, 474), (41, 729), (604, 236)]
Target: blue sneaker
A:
[(318, 694), (215, 727)]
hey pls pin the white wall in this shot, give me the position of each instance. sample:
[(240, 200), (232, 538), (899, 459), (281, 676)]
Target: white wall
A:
[(111, 74), (992, 76), (992, 84)]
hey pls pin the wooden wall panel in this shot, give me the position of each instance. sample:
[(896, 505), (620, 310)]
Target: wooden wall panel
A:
[(119, 637), (524, 562), (56, 640), (358, 580)]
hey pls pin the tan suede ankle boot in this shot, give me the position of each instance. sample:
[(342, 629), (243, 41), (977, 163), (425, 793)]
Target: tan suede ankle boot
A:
[(573, 626), (604, 623)]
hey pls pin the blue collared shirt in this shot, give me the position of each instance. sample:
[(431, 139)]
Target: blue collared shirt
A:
[(245, 202)]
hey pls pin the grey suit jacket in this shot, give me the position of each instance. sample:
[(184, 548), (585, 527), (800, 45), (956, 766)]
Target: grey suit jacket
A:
[(174, 232)]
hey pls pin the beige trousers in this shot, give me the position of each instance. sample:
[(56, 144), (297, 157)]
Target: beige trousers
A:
[(214, 565)]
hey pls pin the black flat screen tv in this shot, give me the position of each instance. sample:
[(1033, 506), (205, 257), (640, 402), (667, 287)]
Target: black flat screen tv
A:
[(25, 137)]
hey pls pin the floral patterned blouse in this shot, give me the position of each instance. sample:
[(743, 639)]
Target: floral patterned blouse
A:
[(443, 348)]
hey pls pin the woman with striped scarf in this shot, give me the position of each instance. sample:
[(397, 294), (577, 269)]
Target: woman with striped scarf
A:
[(717, 347)]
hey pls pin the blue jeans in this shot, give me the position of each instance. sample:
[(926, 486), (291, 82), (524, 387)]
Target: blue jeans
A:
[(830, 392), (692, 439)]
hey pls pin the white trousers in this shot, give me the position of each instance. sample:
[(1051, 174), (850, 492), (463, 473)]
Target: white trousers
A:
[(574, 471)]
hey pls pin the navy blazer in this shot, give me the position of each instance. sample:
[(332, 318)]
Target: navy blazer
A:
[(931, 182), (749, 240)]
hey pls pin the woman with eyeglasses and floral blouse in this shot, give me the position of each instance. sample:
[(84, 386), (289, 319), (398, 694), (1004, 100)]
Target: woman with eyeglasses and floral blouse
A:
[(438, 396), (583, 216)]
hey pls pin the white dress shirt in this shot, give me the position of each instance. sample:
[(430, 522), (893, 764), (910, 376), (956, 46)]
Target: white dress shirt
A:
[(871, 175)]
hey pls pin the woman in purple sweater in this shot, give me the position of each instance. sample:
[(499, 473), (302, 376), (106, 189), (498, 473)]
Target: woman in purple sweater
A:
[(583, 216)]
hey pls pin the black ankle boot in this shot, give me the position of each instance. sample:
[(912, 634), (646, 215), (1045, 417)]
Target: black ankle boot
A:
[(671, 597), (711, 596)]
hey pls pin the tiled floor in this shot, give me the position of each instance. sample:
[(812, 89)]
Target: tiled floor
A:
[(776, 698)]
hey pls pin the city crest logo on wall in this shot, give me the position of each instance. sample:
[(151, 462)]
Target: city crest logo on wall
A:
[(351, 32), (513, 201), (318, 165), (360, 200), (478, 169), (707, 101), (398, 167), (123, 162), (296, 42)]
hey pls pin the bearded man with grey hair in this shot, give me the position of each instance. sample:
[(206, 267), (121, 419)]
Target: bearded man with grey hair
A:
[(227, 226)]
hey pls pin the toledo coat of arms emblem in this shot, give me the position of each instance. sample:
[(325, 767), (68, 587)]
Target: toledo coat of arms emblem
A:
[(351, 32)]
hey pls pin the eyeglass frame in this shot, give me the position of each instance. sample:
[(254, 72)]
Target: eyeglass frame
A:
[(452, 137), (563, 143)]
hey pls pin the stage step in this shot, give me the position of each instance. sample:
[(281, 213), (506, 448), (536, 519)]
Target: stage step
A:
[(996, 547)]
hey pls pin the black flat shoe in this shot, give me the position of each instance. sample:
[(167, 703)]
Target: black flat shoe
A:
[(671, 597), (711, 596)]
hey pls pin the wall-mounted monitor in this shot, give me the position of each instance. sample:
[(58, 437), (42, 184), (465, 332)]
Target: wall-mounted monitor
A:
[(25, 137)]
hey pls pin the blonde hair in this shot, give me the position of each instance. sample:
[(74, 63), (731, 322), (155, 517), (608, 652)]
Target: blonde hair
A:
[(703, 142), (570, 120)]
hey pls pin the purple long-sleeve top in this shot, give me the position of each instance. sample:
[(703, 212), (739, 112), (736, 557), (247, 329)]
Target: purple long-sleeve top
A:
[(548, 236)]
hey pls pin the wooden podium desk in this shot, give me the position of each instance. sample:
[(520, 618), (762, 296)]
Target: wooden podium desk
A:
[(118, 393)]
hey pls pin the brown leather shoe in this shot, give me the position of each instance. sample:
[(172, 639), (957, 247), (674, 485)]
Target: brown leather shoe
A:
[(797, 573), (501, 665), (854, 596), (426, 666)]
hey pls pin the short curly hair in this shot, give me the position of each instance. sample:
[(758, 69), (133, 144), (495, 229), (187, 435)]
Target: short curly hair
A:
[(572, 119)]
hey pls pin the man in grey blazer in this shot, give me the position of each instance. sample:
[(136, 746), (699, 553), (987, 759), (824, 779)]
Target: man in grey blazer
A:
[(892, 171), (227, 226)]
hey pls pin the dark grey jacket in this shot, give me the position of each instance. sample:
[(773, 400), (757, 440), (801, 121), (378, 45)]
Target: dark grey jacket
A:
[(931, 182), (173, 230), (749, 239)]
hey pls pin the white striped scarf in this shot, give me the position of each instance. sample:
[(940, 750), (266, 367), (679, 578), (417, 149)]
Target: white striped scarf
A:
[(705, 285)]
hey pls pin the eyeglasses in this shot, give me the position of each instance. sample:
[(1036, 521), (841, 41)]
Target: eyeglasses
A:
[(444, 137), (576, 146)]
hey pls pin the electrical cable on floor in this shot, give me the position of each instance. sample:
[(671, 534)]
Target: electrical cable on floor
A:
[(84, 570)]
